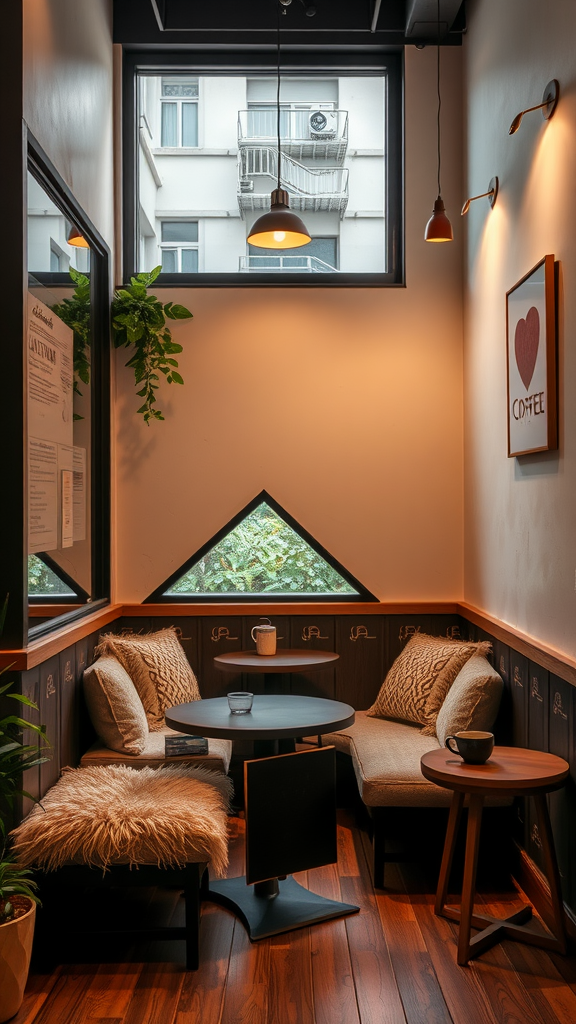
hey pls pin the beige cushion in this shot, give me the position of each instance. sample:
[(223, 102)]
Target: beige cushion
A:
[(115, 707), (472, 701), (152, 755), (386, 761), (157, 666), (100, 816), (419, 679)]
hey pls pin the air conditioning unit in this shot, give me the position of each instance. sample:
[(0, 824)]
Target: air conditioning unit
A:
[(323, 124), (246, 185)]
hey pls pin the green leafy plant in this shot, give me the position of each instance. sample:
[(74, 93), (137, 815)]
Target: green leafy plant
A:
[(15, 758), (263, 554), (139, 320), (75, 312)]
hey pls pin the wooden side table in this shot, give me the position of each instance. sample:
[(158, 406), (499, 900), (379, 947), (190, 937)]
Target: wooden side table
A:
[(511, 771)]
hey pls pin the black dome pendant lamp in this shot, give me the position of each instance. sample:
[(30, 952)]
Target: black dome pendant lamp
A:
[(438, 228), (280, 228)]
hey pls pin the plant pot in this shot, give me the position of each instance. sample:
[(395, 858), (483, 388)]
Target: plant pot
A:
[(15, 952)]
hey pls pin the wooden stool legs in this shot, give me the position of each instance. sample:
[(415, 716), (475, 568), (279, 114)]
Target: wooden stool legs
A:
[(493, 929)]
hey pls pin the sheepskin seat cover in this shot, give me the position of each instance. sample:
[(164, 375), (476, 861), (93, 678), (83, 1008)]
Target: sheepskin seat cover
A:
[(116, 815)]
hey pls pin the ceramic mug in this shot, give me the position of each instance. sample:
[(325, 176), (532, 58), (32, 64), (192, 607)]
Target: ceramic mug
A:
[(474, 747), (265, 639)]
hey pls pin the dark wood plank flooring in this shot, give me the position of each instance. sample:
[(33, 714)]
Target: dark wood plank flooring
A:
[(393, 963)]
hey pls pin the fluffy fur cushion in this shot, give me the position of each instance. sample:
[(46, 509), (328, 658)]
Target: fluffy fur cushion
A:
[(99, 816), (157, 666), (115, 708), (418, 681)]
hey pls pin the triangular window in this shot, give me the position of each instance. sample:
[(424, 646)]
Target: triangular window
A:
[(45, 581), (262, 553)]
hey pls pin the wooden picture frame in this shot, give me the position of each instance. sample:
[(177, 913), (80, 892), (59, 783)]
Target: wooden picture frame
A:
[(531, 366)]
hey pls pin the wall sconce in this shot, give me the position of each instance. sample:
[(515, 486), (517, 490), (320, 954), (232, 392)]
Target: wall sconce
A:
[(548, 106), (492, 194)]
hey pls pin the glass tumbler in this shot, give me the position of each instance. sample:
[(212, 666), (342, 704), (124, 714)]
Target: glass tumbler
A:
[(240, 703)]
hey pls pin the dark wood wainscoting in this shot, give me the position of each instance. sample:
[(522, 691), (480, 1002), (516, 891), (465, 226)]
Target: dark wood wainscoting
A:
[(538, 709)]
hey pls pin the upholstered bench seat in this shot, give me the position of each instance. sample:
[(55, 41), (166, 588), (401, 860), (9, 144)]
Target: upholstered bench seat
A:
[(385, 752), (113, 826), (386, 761), (152, 756)]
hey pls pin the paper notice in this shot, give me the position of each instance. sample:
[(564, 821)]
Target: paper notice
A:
[(50, 374), (67, 509), (42, 495), (79, 496)]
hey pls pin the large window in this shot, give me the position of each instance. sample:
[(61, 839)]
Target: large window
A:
[(202, 159)]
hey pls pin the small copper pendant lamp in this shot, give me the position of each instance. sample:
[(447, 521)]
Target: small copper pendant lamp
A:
[(280, 228), (438, 228)]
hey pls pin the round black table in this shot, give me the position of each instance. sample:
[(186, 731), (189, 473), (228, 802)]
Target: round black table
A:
[(275, 904), (273, 716)]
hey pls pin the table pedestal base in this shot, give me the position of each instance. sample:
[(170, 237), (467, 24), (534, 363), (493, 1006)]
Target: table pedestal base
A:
[(270, 908)]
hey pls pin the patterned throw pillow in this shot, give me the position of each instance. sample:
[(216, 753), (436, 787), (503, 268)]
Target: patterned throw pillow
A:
[(157, 666), (418, 681)]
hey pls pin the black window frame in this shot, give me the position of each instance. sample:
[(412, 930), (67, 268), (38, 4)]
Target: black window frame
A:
[(159, 595), (294, 63), (43, 170)]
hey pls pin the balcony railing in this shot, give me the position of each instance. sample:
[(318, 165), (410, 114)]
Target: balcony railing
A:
[(295, 264), (313, 133), (310, 188)]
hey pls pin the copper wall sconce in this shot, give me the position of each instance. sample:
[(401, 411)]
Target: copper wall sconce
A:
[(548, 106), (492, 194)]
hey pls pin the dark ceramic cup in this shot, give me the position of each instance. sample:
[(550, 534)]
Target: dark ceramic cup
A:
[(473, 747)]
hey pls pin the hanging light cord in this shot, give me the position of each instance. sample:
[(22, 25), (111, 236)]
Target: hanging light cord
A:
[(438, 91), (278, 86)]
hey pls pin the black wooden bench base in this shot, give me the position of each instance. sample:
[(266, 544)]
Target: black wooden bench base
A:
[(60, 887)]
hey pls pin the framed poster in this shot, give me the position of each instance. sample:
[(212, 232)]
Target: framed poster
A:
[(531, 361)]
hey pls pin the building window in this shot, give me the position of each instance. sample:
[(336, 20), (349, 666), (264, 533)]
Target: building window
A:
[(179, 113), (261, 553), (179, 246), (340, 162)]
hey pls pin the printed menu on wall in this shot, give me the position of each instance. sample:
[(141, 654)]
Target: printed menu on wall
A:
[(50, 420)]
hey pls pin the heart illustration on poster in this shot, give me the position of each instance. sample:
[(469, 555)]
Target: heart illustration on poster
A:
[(526, 341)]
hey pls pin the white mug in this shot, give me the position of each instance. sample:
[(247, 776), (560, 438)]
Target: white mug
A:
[(265, 639)]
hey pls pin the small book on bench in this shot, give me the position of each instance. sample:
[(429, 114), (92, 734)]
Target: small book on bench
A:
[(181, 743)]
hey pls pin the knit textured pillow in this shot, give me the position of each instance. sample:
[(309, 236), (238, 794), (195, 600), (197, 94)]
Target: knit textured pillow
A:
[(157, 666), (418, 681)]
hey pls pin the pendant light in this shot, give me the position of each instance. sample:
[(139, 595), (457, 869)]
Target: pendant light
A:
[(438, 228), (76, 238), (279, 229)]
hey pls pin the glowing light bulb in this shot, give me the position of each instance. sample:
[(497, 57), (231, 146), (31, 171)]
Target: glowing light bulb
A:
[(279, 236)]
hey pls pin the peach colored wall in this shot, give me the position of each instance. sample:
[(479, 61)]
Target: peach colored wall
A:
[(345, 405), (520, 536), (68, 96)]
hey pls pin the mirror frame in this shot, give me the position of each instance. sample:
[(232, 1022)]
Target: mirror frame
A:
[(14, 539)]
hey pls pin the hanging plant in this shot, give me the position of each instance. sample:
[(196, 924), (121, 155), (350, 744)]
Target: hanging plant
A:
[(139, 320), (75, 312)]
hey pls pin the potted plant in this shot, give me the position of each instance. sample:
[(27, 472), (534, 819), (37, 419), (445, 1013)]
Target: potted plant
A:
[(18, 898)]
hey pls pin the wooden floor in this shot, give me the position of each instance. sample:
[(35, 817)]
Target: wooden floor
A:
[(393, 963)]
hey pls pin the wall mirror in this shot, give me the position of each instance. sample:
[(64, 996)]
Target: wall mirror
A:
[(67, 331)]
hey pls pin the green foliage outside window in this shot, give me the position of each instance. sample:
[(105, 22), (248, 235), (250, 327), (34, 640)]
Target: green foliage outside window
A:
[(262, 555), (42, 581)]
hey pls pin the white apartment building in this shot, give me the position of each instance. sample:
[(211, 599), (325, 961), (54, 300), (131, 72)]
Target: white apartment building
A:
[(208, 160)]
